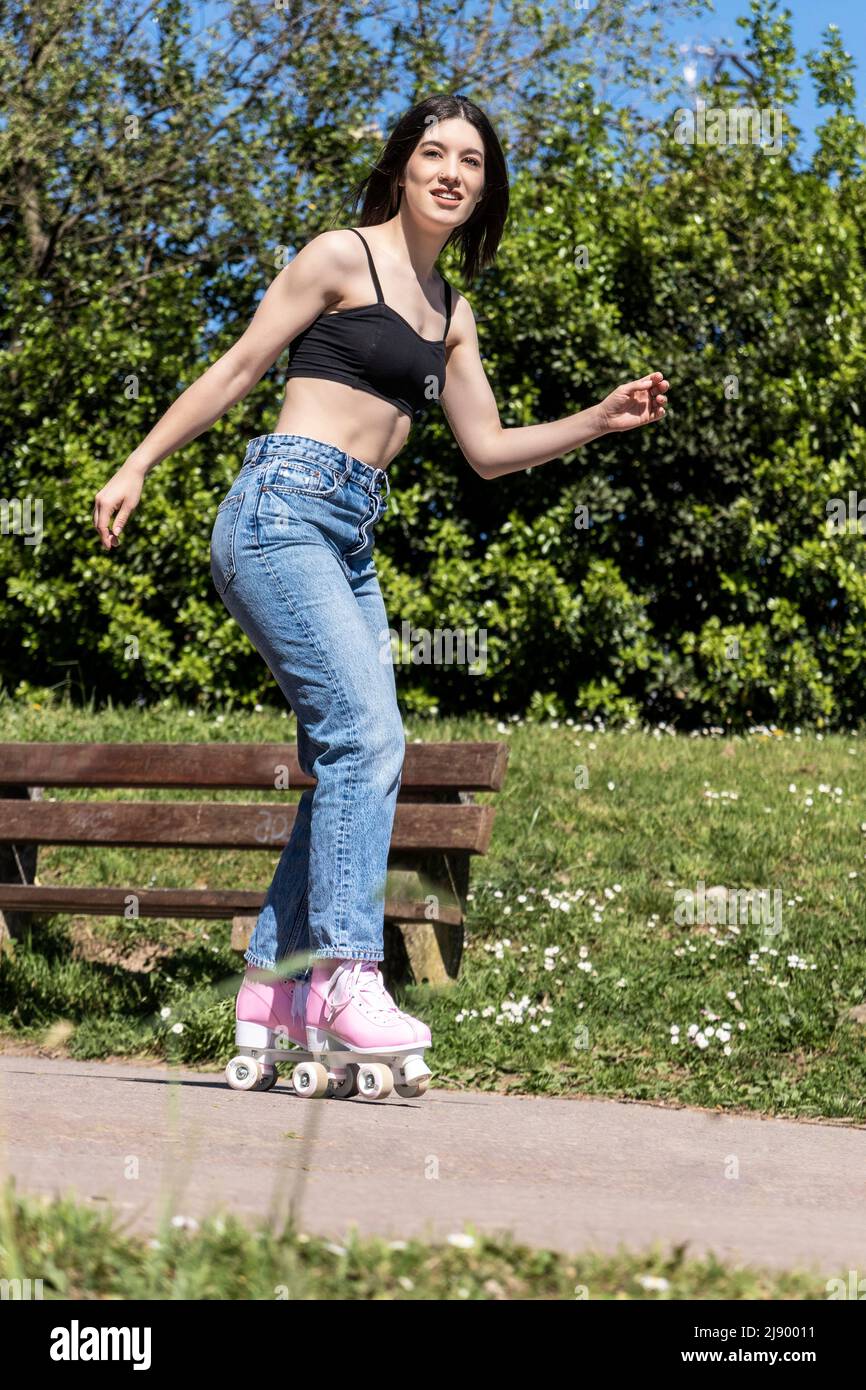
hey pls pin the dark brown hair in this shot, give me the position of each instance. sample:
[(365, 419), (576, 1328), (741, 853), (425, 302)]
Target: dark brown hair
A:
[(478, 237)]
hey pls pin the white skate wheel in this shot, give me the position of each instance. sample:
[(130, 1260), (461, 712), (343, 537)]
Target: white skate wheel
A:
[(310, 1079), (244, 1073), (348, 1086), (414, 1069), (410, 1092), (374, 1080)]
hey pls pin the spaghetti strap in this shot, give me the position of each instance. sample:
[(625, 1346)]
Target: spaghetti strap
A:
[(380, 298), (447, 308)]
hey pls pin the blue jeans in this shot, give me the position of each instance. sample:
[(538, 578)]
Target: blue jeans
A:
[(292, 560)]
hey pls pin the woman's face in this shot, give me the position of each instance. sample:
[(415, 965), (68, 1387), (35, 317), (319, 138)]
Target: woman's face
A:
[(448, 159)]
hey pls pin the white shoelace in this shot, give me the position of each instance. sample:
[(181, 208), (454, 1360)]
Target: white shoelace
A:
[(368, 983), (299, 1003)]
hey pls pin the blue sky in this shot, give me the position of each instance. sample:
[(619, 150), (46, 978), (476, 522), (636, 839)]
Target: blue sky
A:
[(809, 19)]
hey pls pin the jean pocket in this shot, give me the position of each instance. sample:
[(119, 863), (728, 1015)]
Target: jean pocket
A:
[(298, 475), (223, 566)]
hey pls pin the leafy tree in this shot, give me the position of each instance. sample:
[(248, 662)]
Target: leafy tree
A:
[(157, 175)]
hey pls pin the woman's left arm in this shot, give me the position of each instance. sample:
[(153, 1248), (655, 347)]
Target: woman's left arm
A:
[(471, 410)]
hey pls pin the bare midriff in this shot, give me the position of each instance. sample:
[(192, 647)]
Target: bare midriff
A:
[(361, 424)]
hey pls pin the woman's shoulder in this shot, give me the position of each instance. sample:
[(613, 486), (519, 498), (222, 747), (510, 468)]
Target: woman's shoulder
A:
[(462, 325), (341, 242)]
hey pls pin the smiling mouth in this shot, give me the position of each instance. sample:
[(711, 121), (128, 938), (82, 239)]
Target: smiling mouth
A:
[(446, 198)]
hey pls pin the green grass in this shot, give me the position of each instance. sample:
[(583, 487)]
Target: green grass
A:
[(80, 1253), (575, 966)]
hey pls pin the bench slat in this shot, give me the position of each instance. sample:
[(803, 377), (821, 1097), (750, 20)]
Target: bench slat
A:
[(432, 766), (211, 903), (224, 825)]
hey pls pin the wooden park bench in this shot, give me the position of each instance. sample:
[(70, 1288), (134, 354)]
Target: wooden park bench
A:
[(437, 828)]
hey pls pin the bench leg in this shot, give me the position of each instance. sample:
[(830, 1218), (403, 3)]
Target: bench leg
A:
[(242, 930), (17, 865), (431, 950)]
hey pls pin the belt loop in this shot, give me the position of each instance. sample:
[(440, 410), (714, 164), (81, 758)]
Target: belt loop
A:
[(384, 473)]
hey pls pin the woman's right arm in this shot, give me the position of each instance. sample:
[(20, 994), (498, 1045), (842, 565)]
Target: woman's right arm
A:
[(294, 298)]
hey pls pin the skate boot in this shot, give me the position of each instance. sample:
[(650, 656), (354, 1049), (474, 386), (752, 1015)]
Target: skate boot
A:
[(359, 1042), (270, 1026)]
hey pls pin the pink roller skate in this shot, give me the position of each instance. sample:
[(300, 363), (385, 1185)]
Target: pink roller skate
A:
[(270, 1026), (359, 1042)]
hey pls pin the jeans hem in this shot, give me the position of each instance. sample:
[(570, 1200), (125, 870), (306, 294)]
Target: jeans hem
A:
[(327, 953), (259, 963), (346, 953)]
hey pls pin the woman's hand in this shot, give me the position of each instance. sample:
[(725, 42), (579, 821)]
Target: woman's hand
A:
[(121, 494), (636, 403)]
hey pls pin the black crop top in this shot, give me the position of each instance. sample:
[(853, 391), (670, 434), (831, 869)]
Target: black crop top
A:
[(374, 349)]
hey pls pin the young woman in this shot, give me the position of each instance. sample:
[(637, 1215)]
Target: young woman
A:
[(375, 335)]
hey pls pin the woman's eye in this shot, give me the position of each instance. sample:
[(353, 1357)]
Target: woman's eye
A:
[(472, 159)]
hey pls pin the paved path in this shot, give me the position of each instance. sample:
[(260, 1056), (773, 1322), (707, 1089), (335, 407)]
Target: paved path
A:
[(568, 1174)]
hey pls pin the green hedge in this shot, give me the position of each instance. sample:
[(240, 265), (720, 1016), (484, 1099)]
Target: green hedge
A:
[(708, 586)]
